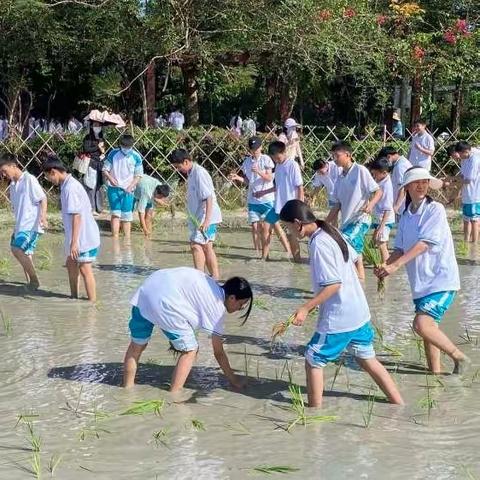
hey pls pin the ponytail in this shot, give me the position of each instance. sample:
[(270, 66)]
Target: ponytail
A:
[(241, 290), (336, 235)]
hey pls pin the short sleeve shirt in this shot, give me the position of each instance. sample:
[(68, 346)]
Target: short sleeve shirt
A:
[(470, 170), (123, 168), (327, 180), (418, 158), (398, 172), (288, 178), (257, 183), (385, 204), (144, 191)]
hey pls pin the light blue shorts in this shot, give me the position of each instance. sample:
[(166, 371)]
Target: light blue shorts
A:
[(257, 212), (385, 232), (435, 305), (88, 257), (355, 233), (196, 236), (471, 212), (272, 217), (121, 203), (327, 347), (141, 331), (25, 241)]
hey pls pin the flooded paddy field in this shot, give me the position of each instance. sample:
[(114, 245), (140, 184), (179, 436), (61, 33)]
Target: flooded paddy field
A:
[(64, 414)]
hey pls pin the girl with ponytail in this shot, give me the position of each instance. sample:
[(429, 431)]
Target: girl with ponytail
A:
[(344, 316)]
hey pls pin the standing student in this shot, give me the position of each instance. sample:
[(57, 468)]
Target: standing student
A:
[(422, 146), (123, 169), (182, 301), (424, 245), (82, 236), (383, 214), (344, 316), (29, 204), (176, 119), (355, 195), (294, 149), (148, 193), (203, 211), (326, 174), (257, 170)]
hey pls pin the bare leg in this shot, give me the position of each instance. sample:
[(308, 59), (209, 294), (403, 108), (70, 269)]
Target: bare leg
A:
[(149, 220), (360, 268), (182, 370), (295, 248), (115, 225), (86, 271), (130, 363), (282, 237), (27, 264), (266, 234), (433, 357), (256, 238), (467, 230), (127, 228), (382, 378), (475, 231), (383, 247), (73, 274), (314, 385), (211, 260), (198, 256)]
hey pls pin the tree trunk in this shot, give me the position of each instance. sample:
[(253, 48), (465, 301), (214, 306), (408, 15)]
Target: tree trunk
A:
[(288, 97), (270, 110), (151, 94), (457, 106), (190, 86), (416, 97), (144, 101)]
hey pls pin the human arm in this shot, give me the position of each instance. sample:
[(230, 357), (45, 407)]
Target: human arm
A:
[(302, 312), (265, 175), (374, 199), (74, 248), (426, 151), (399, 259), (332, 216), (301, 193), (43, 213), (137, 172), (264, 192), (223, 362), (143, 223), (208, 214)]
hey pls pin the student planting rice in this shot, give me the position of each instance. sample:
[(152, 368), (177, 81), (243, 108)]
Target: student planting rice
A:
[(355, 194), (326, 174), (384, 217), (424, 245), (82, 237), (181, 301), (344, 316), (29, 204), (202, 209)]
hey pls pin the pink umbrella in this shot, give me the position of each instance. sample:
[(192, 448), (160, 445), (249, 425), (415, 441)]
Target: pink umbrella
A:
[(105, 118)]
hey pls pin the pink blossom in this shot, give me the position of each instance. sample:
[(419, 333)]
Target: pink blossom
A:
[(381, 19), (450, 37), (349, 13), (325, 15)]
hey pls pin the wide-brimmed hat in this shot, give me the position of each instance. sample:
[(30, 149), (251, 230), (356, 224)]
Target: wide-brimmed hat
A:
[(418, 173), (396, 116), (291, 122)]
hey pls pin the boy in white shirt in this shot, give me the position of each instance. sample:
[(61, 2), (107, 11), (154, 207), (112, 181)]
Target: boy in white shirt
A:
[(82, 236), (470, 172), (123, 169), (355, 194), (29, 204), (422, 146), (326, 174), (202, 210)]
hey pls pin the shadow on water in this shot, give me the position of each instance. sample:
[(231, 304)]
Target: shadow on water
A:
[(14, 289), (281, 292), (128, 269)]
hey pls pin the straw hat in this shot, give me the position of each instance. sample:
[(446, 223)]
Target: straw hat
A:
[(418, 173), (396, 116)]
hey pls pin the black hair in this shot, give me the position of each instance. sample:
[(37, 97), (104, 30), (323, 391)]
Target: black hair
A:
[(53, 164), (451, 149), (421, 121), (320, 163), (276, 147), (341, 147), (381, 164), (8, 159), (298, 210), (162, 190), (462, 147), (127, 141), (408, 198), (389, 150), (240, 289), (179, 156)]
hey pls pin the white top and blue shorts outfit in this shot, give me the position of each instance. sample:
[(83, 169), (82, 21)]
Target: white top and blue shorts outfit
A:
[(343, 319), (418, 158), (26, 195), (179, 301), (199, 189), (74, 200), (433, 275), (328, 181), (470, 170), (352, 191), (385, 204), (123, 168)]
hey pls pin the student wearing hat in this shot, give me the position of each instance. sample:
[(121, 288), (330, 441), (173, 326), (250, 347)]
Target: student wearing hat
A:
[(294, 150), (123, 170), (424, 245), (397, 127)]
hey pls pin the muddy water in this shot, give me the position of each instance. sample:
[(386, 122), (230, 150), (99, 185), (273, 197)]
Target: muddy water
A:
[(62, 362)]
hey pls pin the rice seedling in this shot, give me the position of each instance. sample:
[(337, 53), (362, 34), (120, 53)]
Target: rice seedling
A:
[(337, 371), (36, 465), (272, 469), (44, 258), (33, 439), (367, 415), (153, 361), (92, 431), (280, 328), (5, 267), (148, 406), (461, 248), (7, 323), (198, 425), (476, 375), (467, 339), (161, 438), (260, 303), (392, 350), (25, 418), (98, 414), (372, 256), (239, 428), (53, 463), (196, 223), (427, 402), (74, 408)]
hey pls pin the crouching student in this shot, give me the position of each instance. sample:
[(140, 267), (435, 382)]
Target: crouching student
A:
[(82, 236), (29, 204), (344, 316), (149, 192), (181, 301), (424, 245)]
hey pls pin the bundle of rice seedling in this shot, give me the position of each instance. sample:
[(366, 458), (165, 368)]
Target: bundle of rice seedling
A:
[(280, 328), (196, 223), (372, 256)]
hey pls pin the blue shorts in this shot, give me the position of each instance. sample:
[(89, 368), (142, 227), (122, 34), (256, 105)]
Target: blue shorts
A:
[(327, 347), (355, 233), (121, 203), (141, 331), (257, 212), (471, 212), (88, 257), (435, 305), (386, 231), (25, 241), (196, 236), (272, 217)]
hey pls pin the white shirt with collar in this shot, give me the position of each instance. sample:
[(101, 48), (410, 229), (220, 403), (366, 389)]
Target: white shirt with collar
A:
[(418, 158)]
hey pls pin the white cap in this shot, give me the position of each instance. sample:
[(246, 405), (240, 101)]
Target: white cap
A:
[(290, 122), (418, 173)]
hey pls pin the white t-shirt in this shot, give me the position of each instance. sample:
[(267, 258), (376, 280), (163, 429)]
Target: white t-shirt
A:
[(26, 195), (436, 269), (255, 182), (470, 170), (398, 172), (328, 179), (181, 300), (199, 188), (293, 145), (386, 202), (348, 309), (418, 158), (74, 199), (123, 168), (288, 178), (176, 120), (352, 190)]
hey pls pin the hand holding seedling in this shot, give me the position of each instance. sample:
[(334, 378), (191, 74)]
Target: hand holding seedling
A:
[(300, 316), (384, 270)]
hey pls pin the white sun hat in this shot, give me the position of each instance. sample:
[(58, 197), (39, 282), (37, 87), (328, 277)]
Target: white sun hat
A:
[(291, 122), (418, 173)]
